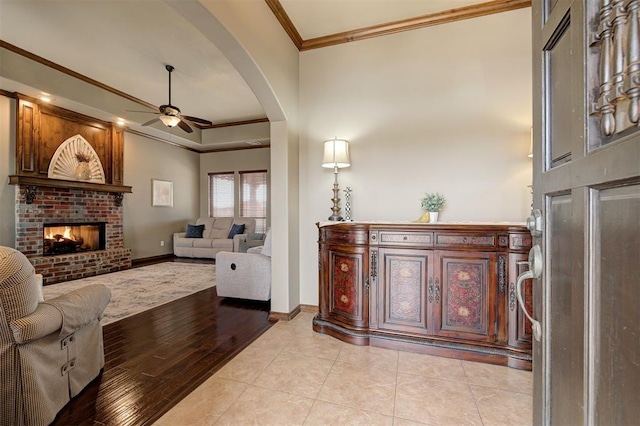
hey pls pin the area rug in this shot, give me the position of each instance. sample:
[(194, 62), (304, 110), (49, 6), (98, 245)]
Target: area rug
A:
[(138, 289)]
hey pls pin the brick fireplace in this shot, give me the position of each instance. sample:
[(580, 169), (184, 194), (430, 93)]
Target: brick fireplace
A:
[(69, 170), (70, 205)]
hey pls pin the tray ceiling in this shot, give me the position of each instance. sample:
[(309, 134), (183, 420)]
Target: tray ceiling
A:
[(125, 45)]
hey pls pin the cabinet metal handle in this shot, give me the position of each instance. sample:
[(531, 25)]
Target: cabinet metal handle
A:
[(502, 274), (430, 289), (535, 271), (374, 265), (437, 289)]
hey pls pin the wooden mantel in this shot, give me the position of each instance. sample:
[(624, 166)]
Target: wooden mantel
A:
[(59, 183)]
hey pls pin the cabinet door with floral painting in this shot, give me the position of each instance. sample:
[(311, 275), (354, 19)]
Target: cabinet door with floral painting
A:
[(465, 293), (403, 290), (347, 285)]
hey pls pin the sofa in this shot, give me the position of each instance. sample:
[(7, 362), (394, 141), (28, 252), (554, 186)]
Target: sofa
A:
[(210, 235)]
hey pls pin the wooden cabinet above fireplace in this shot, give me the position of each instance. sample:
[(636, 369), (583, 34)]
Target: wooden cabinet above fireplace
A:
[(42, 128)]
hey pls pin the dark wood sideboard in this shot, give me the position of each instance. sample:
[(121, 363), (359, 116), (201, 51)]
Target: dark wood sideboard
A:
[(442, 289)]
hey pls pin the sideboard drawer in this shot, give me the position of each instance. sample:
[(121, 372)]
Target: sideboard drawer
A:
[(406, 238), (465, 240), (520, 241), (344, 237)]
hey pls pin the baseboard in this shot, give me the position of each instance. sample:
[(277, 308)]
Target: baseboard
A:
[(283, 315), (153, 259), (311, 309)]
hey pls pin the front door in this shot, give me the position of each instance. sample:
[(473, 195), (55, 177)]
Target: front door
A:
[(586, 73)]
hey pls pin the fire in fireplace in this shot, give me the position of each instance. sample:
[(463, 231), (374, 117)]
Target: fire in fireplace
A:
[(62, 238)]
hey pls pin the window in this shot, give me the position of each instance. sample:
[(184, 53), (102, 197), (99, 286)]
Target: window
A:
[(253, 197), (251, 193), (221, 195)]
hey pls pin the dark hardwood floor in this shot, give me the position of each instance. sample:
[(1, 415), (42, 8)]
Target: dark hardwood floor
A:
[(155, 358)]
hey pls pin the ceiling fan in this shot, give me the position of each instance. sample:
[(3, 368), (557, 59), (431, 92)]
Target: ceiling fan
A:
[(171, 116)]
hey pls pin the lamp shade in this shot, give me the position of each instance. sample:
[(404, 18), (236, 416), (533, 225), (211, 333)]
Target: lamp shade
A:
[(169, 120), (336, 154)]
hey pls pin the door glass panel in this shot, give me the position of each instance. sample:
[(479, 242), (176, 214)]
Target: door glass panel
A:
[(557, 58), (616, 299), (565, 301)]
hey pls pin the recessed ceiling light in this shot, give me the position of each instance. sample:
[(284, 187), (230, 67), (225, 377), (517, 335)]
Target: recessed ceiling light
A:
[(45, 97)]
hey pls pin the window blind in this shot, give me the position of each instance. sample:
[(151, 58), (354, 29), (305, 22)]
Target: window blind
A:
[(253, 197), (221, 194)]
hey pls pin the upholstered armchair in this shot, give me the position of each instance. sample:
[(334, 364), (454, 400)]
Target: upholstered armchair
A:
[(245, 275), (49, 350)]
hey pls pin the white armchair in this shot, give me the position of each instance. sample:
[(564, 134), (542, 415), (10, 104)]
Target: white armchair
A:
[(245, 275)]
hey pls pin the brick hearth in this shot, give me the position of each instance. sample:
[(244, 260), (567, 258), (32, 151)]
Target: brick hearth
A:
[(70, 205)]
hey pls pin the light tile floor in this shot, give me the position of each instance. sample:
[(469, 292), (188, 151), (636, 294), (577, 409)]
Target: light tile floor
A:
[(294, 376)]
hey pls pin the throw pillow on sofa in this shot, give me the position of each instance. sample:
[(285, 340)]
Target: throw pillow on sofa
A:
[(236, 229), (194, 231)]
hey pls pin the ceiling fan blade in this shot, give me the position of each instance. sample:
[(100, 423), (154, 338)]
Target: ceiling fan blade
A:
[(144, 112), (184, 126), (151, 121), (197, 120)]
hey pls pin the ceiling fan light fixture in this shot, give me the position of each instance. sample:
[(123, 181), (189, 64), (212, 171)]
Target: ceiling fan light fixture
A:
[(169, 120), (170, 115)]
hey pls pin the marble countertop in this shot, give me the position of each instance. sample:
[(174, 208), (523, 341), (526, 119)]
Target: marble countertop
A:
[(387, 222)]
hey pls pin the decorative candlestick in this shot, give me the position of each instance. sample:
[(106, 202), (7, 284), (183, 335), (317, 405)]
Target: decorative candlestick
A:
[(347, 204)]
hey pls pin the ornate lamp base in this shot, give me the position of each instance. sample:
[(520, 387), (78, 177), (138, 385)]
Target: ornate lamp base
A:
[(336, 203)]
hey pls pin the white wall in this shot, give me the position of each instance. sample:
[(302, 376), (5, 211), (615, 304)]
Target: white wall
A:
[(146, 226), (270, 65), (272, 57), (445, 108), (7, 167), (229, 161)]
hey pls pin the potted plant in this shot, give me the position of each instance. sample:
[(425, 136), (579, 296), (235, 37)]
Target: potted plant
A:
[(433, 203)]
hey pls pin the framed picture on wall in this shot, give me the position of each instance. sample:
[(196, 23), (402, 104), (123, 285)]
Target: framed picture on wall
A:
[(162, 193)]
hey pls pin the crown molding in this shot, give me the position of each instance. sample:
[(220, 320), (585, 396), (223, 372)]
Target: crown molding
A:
[(444, 17), (235, 123), (69, 72), (203, 150), (39, 59), (285, 21)]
